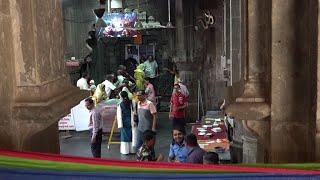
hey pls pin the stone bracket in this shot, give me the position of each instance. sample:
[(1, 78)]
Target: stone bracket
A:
[(46, 112)]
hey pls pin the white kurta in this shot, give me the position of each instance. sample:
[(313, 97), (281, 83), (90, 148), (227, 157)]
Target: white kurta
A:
[(82, 84)]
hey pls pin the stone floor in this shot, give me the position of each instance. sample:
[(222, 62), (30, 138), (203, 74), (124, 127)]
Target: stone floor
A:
[(78, 144)]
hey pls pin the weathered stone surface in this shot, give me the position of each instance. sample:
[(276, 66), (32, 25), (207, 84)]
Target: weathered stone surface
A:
[(249, 111), (317, 148), (258, 48), (6, 73), (251, 107), (180, 32), (250, 149), (293, 88), (252, 120), (290, 142), (35, 88), (45, 139)]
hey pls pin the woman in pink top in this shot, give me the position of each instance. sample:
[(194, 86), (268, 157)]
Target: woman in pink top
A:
[(151, 93)]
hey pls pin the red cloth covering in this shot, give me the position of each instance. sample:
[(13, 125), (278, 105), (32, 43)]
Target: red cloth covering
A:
[(214, 136), (71, 63)]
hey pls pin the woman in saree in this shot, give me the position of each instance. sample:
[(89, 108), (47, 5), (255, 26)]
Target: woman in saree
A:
[(126, 124), (139, 77), (100, 94)]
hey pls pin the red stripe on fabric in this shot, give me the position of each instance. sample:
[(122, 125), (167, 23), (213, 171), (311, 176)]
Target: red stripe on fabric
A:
[(152, 165), (73, 159)]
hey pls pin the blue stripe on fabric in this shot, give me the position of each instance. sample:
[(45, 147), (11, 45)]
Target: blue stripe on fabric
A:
[(17, 174)]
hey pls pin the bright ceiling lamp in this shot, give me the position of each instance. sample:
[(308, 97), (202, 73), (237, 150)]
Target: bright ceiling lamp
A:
[(116, 4)]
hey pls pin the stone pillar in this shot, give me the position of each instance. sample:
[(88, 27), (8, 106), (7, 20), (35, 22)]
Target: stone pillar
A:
[(180, 40), (6, 73), (251, 106), (293, 89), (250, 149), (35, 89), (258, 55)]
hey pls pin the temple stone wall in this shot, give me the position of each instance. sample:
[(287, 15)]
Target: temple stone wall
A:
[(35, 88), (213, 87), (6, 73)]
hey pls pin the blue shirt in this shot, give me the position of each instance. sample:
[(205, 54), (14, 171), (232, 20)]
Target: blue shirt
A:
[(178, 152)]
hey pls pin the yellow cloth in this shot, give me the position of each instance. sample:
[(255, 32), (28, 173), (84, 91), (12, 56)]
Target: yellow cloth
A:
[(139, 76), (135, 97), (99, 94)]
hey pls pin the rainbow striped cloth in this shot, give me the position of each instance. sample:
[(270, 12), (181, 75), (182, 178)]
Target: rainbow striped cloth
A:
[(27, 165)]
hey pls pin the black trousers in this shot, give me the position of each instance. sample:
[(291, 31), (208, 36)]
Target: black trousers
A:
[(96, 147)]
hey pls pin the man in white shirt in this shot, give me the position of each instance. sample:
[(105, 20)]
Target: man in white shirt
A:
[(120, 78), (96, 123), (109, 86), (82, 83), (151, 70)]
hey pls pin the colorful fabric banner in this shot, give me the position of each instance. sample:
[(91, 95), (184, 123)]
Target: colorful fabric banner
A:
[(15, 165)]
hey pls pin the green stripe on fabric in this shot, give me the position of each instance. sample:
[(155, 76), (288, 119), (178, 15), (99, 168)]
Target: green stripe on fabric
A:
[(16, 162), (301, 166), (67, 166)]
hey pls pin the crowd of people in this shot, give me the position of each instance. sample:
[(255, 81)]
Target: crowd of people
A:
[(137, 114)]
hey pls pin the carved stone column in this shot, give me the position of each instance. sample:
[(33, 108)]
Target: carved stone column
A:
[(180, 32), (36, 90), (252, 107), (294, 48)]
